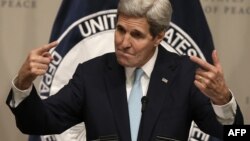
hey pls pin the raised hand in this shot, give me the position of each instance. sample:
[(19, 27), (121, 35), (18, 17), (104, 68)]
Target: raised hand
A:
[(210, 80), (36, 64)]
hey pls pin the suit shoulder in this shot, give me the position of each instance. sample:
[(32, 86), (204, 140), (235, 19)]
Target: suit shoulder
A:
[(98, 62), (178, 59), (186, 61)]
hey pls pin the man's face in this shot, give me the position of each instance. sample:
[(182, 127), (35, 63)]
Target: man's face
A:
[(134, 45)]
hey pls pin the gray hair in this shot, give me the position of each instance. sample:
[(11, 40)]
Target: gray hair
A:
[(157, 12)]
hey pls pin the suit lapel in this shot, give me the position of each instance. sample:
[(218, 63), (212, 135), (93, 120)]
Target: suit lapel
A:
[(116, 87), (161, 78)]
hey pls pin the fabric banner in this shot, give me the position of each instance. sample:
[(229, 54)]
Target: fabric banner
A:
[(84, 30)]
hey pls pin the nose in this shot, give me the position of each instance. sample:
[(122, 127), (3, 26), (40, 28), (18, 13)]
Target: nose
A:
[(126, 42)]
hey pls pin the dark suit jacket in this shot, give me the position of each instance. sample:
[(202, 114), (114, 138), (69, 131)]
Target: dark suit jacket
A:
[(97, 95)]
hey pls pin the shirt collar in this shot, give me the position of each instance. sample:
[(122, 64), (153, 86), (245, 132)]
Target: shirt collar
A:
[(147, 68)]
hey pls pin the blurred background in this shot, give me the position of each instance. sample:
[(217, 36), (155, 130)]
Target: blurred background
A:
[(26, 24)]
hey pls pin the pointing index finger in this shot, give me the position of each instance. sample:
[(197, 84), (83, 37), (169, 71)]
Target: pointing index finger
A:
[(216, 60), (202, 63), (47, 47)]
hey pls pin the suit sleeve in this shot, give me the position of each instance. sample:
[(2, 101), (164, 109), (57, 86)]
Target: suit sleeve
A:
[(53, 115), (205, 116)]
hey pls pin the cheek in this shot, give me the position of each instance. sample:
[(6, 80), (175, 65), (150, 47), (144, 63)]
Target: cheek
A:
[(143, 47), (118, 38), (145, 51)]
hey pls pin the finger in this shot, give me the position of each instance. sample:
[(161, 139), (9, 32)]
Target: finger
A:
[(203, 64), (209, 78), (44, 60), (200, 71), (216, 60), (201, 80), (47, 47), (47, 55), (208, 83), (38, 71), (205, 74), (200, 86), (39, 66), (40, 59), (203, 87), (207, 92)]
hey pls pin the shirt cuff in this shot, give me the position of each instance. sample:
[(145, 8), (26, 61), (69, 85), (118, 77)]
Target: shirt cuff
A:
[(226, 113), (18, 95)]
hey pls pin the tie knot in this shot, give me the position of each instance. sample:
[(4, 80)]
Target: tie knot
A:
[(138, 74)]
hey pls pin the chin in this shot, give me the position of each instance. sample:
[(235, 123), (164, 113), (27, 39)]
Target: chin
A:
[(125, 63)]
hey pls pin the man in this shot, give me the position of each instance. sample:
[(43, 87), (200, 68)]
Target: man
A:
[(102, 90)]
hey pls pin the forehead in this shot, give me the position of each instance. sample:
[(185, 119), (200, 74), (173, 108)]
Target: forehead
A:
[(131, 22)]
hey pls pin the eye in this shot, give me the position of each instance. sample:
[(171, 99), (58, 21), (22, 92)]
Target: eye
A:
[(137, 34), (120, 29)]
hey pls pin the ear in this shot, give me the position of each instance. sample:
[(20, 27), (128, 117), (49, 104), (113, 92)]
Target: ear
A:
[(159, 37)]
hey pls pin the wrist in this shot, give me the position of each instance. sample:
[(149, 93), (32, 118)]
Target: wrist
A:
[(223, 98), (22, 84)]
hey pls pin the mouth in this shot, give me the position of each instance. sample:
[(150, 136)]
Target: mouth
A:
[(124, 54)]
